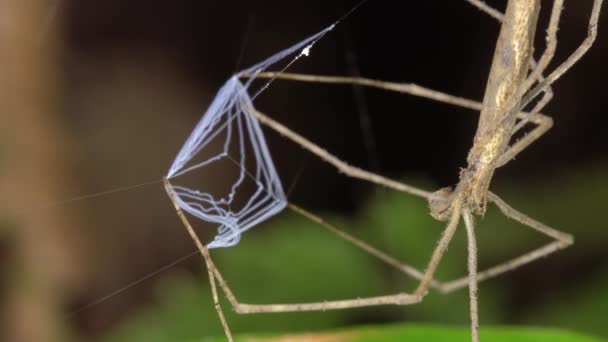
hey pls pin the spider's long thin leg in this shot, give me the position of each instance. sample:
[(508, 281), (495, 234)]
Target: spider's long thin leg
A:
[(547, 97), (572, 59), (343, 167), (206, 256), (545, 83), (404, 88), (549, 52), (395, 299), (211, 271), (543, 122), (562, 240), (472, 266), (551, 39), (242, 308), (407, 269), (489, 10), (537, 70), (442, 246)]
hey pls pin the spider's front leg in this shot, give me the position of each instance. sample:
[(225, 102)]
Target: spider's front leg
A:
[(211, 269)]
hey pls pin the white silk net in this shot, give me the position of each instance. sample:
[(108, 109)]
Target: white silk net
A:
[(229, 136)]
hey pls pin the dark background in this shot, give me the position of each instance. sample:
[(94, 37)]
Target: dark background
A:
[(446, 46), (135, 76)]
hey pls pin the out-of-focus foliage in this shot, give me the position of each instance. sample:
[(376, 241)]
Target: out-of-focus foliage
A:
[(426, 332), (291, 259)]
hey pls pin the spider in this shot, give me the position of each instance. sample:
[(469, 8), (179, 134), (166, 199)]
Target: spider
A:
[(515, 80)]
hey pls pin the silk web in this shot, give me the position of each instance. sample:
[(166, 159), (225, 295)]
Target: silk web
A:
[(229, 134)]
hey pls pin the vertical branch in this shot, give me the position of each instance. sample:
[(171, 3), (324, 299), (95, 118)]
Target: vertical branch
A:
[(32, 171)]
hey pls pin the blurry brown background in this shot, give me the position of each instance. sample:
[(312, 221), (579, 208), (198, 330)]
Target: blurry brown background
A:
[(101, 94)]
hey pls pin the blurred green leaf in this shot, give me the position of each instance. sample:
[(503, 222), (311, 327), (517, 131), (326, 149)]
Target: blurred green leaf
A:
[(290, 259), (427, 332), (583, 307)]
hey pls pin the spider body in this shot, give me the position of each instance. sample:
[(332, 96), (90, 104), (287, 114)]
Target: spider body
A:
[(502, 99)]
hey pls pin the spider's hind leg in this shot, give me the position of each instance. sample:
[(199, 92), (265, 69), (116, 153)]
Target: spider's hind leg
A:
[(426, 280), (561, 240)]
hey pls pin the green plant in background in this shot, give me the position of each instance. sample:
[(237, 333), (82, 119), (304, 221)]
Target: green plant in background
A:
[(291, 259), (426, 332)]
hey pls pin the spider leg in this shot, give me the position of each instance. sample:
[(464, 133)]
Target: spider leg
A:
[(349, 170), (405, 268), (572, 59), (206, 256), (545, 83), (487, 9), (561, 241), (536, 75), (395, 299), (537, 68), (549, 52), (472, 277), (551, 44), (404, 88), (543, 122)]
